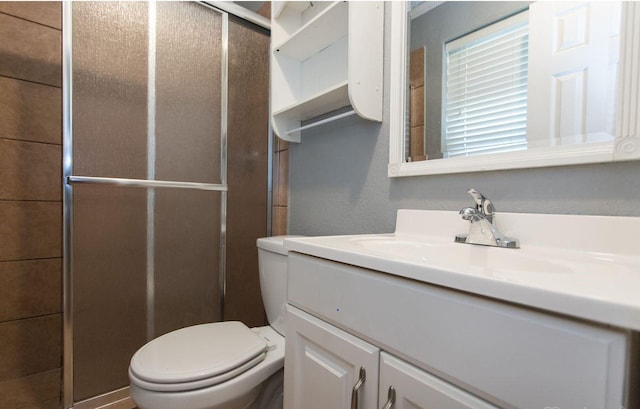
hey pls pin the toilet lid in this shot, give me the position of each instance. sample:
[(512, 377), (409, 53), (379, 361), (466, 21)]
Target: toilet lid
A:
[(198, 352)]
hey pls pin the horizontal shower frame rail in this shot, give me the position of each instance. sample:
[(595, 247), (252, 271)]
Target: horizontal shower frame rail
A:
[(145, 183)]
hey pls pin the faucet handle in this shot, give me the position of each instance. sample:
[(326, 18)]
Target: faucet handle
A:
[(483, 205), (471, 214)]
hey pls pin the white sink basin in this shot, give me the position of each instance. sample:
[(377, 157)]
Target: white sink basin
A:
[(491, 260), (462, 256), (585, 266)]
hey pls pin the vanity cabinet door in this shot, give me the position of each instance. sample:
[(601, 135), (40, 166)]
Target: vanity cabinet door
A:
[(322, 366), (417, 389)]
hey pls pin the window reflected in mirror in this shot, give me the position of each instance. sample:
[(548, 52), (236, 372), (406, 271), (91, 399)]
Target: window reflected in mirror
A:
[(494, 77)]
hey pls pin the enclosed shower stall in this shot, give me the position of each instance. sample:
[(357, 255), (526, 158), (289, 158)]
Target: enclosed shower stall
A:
[(166, 164)]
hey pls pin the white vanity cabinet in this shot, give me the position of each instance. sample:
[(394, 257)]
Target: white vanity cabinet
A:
[(325, 55), (439, 348), (324, 364)]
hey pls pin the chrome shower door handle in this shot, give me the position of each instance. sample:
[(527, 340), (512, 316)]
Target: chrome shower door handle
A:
[(356, 388), (391, 398)]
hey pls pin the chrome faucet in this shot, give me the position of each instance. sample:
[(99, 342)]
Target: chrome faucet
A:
[(482, 230)]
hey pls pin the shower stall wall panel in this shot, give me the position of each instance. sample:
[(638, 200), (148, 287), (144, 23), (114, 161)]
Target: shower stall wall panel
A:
[(109, 223), (186, 259), (188, 125), (188, 87), (110, 42), (109, 284), (248, 154)]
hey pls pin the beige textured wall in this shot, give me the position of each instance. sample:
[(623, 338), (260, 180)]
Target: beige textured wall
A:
[(30, 205)]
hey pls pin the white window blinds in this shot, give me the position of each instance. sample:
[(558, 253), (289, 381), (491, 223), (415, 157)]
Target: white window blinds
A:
[(485, 90)]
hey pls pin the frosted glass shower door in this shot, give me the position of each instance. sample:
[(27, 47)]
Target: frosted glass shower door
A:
[(147, 220)]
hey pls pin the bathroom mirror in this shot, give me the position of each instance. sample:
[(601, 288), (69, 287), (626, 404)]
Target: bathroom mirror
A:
[(518, 85)]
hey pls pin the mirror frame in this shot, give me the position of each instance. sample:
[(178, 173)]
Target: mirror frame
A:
[(624, 147)]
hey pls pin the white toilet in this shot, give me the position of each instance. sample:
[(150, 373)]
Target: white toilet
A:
[(222, 365)]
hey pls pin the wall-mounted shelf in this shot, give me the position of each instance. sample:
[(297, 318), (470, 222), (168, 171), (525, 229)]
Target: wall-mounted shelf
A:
[(326, 28), (318, 104), (325, 56)]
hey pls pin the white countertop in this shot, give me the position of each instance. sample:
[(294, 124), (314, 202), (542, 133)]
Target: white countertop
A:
[(587, 267)]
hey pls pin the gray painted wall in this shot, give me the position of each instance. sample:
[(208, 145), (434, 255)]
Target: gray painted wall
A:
[(339, 185)]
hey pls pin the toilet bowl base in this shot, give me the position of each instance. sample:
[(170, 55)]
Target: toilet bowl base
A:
[(271, 393)]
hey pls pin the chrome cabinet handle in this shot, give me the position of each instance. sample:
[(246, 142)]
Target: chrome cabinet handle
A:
[(356, 388), (391, 398)]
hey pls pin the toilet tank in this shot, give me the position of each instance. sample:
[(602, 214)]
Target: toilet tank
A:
[(272, 264)]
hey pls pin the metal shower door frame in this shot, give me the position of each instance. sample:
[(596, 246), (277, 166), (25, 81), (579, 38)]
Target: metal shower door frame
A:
[(69, 179)]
